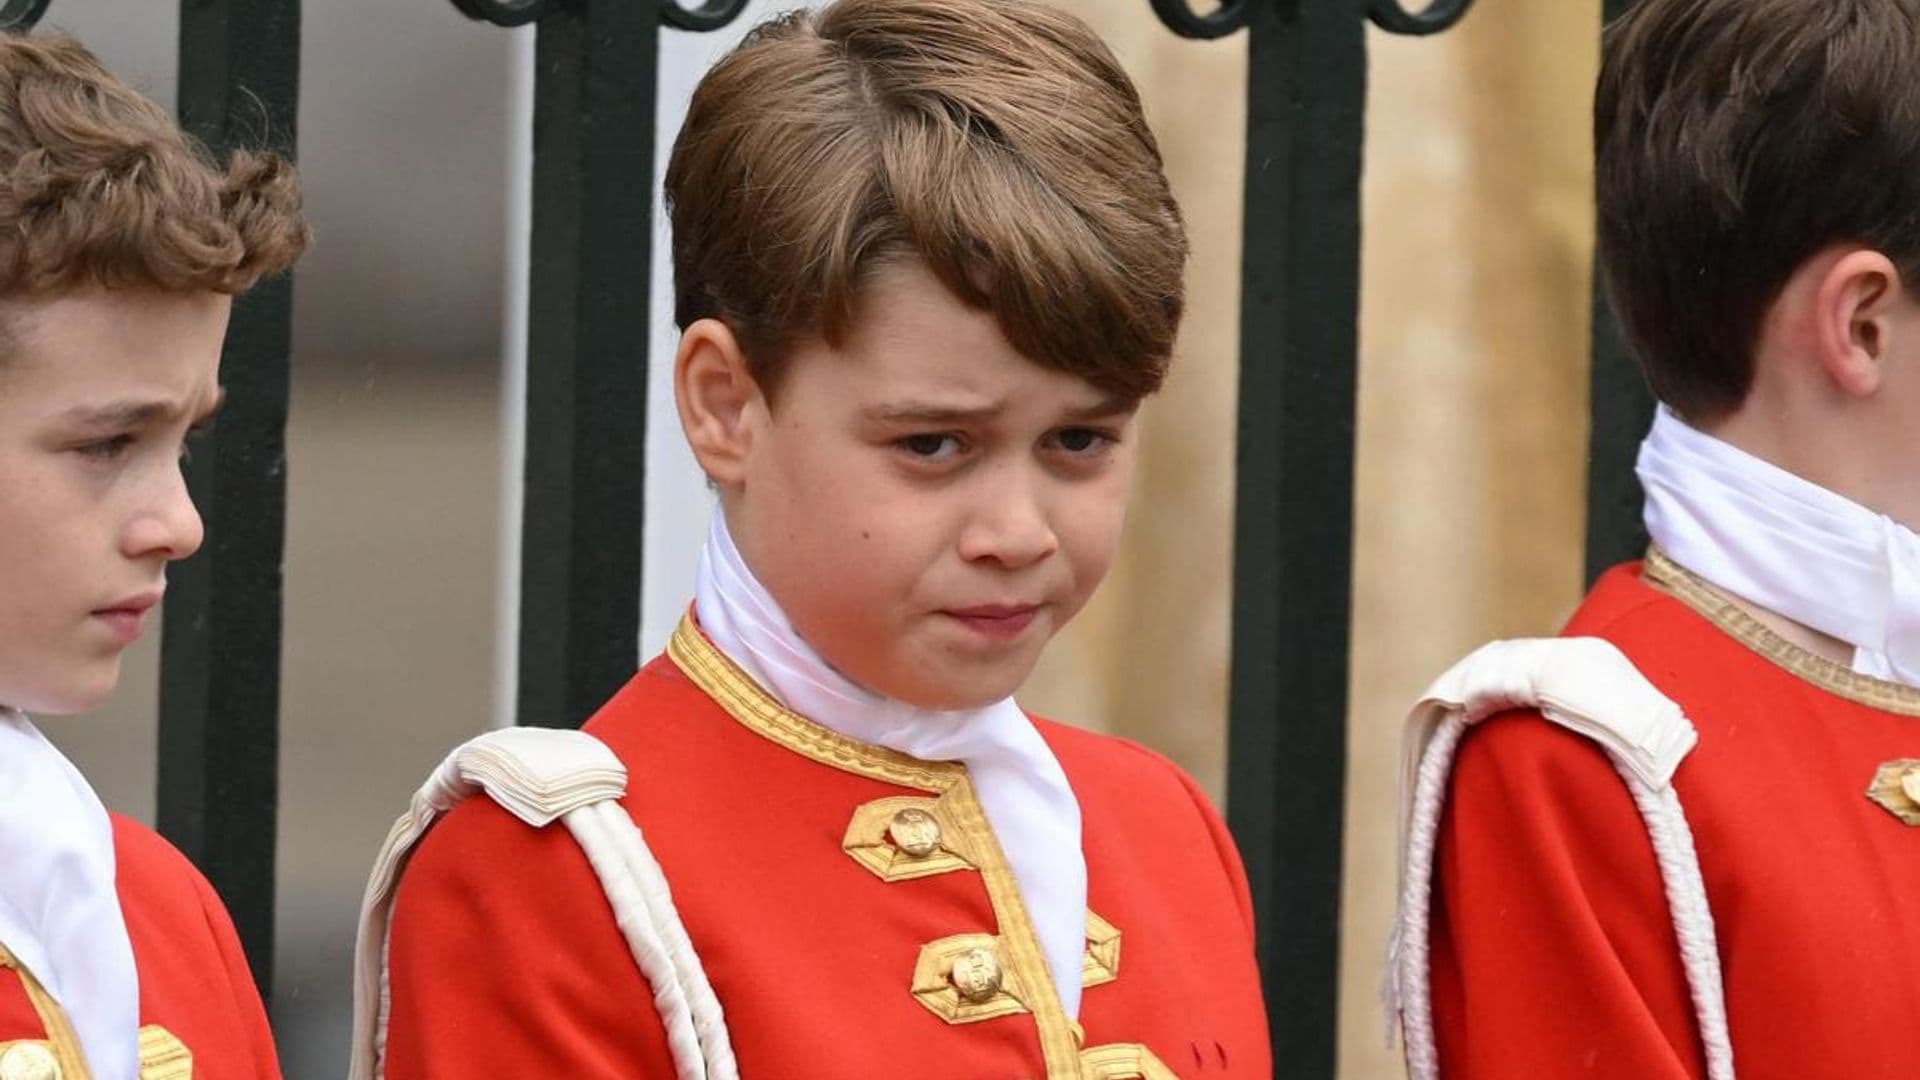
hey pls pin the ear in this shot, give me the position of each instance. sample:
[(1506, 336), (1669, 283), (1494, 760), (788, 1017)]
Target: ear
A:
[(1855, 303), (716, 397)]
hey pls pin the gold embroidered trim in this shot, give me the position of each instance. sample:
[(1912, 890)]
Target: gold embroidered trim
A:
[(933, 982), (53, 1020), (163, 1056), (867, 841), (1670, 577), (1025, 964), (1124, 1061), (1102, 962)]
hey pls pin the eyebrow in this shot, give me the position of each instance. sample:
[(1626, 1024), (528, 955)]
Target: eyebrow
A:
[(136, 413), (930, 413)]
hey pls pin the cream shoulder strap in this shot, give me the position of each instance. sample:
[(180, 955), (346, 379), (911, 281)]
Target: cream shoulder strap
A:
[(1588, 686), (542, 776)]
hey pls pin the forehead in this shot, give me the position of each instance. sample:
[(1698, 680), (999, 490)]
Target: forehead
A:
[(914, 337), (84, 347)]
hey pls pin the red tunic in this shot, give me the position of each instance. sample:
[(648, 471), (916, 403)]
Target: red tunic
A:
[(196, 993), (1553, 953), (827, 945)]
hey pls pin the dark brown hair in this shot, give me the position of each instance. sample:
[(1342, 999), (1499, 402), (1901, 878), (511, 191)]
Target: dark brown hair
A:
[(996, 141), (1733, 140), (99, 186)]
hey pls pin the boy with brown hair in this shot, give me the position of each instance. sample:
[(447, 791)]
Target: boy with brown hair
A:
[(1759, 198), (121, 247), (927, 268)]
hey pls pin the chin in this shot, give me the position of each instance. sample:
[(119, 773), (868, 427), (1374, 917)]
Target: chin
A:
[(83, 693)]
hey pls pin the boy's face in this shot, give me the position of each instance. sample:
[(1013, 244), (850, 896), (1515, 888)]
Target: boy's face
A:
[(927, 505), (98, 391)]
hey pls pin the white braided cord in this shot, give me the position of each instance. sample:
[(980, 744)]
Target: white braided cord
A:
[(1409, 961), (708, 1022), (636, 922), (1692, 919)]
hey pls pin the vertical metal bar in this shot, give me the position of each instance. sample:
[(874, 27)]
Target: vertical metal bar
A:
[(1306, 88), (1621, 407), (585, 475), (220, 650)]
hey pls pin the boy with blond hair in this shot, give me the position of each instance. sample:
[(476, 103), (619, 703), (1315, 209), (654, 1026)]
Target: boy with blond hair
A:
[(121, 247), (927, 268), (1707, 860)]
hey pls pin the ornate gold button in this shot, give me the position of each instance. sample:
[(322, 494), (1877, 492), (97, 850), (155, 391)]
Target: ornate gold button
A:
[(1896, 788), (1910, 784), (976, 975), (914, 832), (29, 1061)]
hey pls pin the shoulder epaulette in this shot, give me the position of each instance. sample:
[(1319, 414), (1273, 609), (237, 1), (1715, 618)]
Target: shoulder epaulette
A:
[(540, 776), (1587, 686)]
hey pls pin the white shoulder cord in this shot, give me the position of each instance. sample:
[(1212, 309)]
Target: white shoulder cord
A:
[(1587, 686), (540, 776)]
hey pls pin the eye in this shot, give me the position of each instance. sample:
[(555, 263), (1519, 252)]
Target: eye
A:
[(931, 447), (1083, 441), (107, 449)]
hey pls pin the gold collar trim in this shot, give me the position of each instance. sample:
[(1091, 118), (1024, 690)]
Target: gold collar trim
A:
[(744, 700), (1670, 577), (724, 681)]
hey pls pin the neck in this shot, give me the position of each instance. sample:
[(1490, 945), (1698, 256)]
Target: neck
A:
[(1846, 445)]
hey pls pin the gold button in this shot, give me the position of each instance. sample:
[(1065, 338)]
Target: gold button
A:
[(29, 1061), (976, 974), (914, 832), (1910, 783)]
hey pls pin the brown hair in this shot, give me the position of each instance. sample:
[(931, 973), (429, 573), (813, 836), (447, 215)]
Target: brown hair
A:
[(99, 186), (997, 141), (1733, 140)]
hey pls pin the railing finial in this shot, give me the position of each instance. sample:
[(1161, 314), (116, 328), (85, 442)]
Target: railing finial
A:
[(504, 12), (1181, 19), (706, 16), (1441, 15), (19, 16)]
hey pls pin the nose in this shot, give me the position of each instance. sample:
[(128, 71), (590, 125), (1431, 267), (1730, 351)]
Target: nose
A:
[(1011, 525), (166, 523)]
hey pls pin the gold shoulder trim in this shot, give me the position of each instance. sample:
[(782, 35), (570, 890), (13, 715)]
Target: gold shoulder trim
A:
[(871, 841), (1670, 577), (61, 1041), (1124, 1061), (163, 1056), (1102, 963), (753, 707)]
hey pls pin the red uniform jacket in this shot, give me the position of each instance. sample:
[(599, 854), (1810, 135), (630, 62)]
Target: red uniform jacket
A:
[(1553, 953), (200, 1014), (829, 945)]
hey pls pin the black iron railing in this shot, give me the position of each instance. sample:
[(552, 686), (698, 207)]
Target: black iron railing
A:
[(585, 465), (1293, 507)]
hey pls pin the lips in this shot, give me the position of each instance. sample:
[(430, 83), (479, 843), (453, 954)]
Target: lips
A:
[(998, 622), (127, 620)]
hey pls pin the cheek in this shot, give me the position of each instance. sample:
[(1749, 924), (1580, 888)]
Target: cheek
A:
[(1089, 529)]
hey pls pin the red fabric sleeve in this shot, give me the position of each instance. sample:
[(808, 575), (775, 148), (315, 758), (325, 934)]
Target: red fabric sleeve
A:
[(1553, 949), (250, 1015), (504, 960), (1223, 844)]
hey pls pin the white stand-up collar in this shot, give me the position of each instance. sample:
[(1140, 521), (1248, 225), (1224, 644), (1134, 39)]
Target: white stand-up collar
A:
[(1786, 544), (1021, 786), (59, 912)]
